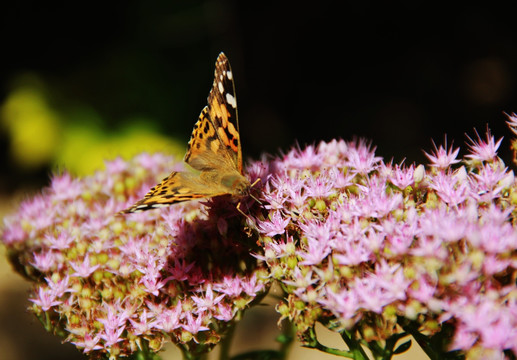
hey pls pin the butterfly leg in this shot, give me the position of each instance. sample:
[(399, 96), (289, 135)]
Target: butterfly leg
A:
[(238, 207)]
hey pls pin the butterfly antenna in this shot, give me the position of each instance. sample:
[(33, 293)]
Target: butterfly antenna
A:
[(251, 195), (254, 198), (255, 182)]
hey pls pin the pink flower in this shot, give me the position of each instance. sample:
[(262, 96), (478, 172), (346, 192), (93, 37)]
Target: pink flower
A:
[(463, 339), (45, 261), (168, 319), (116, 166), (179, 271), (84, 268), (423, 292), (361, 157), (111, 336), (353, 242), (111, 282), (450, 190), (302, 159), (46, 299), (441, 158), (147, 161), (152, 284), (482, 150), (230, 286), (61, 242), (66, 188), (13, 233), (194, 325), (274, 226), (142, 326), (208, 302), (89, 343), (402, 177), (344, 304), (319, 187), (315, 252), (60, 287), (512, 122), (252, 286), (224, 312), (300, 280)]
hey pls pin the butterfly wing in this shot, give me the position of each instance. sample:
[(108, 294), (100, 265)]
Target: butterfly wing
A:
[(177, 187), (214, 149), (216, 134)]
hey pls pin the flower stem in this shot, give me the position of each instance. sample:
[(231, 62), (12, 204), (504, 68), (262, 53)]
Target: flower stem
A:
[(188, 354), (286, 339), (312, 342), (422, 340), (145, 353), (226, 343), (387, 352), (354, 346)]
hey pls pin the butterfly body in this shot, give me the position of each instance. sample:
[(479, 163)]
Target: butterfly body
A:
[(214, 152)]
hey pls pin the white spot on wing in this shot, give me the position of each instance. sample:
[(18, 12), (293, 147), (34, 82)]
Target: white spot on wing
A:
[(221, 87), (229, 75), (159, 205), (231, 100)]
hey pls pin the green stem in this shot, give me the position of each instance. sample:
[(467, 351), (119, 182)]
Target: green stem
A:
[(390, 346), (48, 322), (422, 340), (226, 343), (354, 346), (377, 351), (143, 354), (44, 319), (313, 343), (387, 352), (188, 354), (286, 339)]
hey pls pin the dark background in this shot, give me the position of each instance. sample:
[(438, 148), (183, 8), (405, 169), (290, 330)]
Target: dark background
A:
[(397, 73)]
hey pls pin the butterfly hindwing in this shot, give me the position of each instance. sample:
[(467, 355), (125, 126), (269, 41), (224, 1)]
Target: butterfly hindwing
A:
[(177, 187), (205, 149)]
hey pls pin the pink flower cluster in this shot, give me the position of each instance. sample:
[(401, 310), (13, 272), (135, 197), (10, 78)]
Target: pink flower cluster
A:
[(117, 284), (357, 243), (362, 246)]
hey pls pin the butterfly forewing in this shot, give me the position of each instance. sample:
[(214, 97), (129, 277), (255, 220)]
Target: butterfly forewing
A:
[(217, 130), (214, 150), (206, 151)]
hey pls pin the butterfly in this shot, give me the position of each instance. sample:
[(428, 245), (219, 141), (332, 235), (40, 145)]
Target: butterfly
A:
[(214, 150)]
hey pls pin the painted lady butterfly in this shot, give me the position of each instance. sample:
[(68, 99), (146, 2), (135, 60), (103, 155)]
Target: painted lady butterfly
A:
[(214, 150)]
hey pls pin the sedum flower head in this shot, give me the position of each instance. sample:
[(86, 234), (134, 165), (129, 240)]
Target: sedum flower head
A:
[(373, 243), (114, 285), (361, 246)]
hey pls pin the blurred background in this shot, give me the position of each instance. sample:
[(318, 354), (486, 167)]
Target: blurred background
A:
[(84, 82)]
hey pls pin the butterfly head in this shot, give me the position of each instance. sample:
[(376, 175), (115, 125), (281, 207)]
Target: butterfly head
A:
[(239, 185)]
